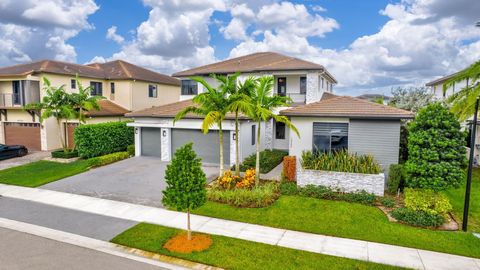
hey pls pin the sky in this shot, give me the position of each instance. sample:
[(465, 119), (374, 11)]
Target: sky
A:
[(369, 46)]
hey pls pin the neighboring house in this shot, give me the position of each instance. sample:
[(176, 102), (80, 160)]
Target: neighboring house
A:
[(125, 86), (324, 120), (375, 97)]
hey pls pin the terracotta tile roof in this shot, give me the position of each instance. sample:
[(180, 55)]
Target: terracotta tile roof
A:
[(257, 62), (327, 95), (114, 70), (107, 108), (171, 110), (345, 106)]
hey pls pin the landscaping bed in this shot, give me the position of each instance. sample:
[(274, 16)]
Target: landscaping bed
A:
[(230, 253), (269, 159)]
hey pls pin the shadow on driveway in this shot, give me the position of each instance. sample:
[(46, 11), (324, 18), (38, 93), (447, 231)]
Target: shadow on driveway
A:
[(138, 180)]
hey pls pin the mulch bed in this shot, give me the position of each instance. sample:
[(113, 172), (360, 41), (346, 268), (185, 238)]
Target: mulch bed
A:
[(179, 243)]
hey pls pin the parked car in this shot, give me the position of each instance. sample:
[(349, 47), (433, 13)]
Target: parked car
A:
[(11, 151)]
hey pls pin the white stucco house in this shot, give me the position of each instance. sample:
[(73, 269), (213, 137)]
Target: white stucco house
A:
[(320, 116)]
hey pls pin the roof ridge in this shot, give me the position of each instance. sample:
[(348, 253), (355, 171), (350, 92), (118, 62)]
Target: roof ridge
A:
[(380, 105), (129, 74)]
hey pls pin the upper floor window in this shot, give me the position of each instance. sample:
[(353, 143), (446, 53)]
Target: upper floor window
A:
[(16, 97), (303, 85), (323, 80), (152, 91), (281, 86), (189, 87), (73, 84), (330, 136), (97, 88), (112, 88)]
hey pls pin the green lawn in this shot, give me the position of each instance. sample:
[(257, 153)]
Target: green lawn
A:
[(457, 198), (230, 253), (41, 172), (344, 219)]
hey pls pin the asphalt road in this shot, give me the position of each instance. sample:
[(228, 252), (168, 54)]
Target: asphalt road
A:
[(21, 251)]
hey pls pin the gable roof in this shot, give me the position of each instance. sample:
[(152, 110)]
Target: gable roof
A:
[(345, 106), (256, 62), (107, 108), (114, 70)]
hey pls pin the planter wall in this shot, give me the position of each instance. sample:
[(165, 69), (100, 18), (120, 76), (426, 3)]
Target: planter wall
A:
[(346, 182)]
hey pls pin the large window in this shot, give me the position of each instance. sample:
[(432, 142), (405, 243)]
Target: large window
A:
[(303, 85), (189, 87), (112, 88), (279, 130), (96, 88), (152, 91), (330, 136), (16, 98), (73, 84)]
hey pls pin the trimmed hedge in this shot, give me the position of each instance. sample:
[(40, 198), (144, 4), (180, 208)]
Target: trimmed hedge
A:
[(396, 178), (95, 140), (131, 149), (62, 154), (108, 159)]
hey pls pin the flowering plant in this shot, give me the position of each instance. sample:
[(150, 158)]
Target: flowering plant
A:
[(228, 180), (248, 179)]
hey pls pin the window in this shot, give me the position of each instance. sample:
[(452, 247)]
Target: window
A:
[(112, 88), (16, 98), (330, 136), (253, 134), (152, 91), (96, 88), (279, 130), (189, 87), (322, 82), (281, 86), (73, 84), (303, 85)]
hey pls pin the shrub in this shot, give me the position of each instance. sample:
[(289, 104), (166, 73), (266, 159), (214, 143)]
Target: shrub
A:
[(107, 159), (362, 197), (228, 180), (269, 159), (62, 154), (340, 161), (388, 202), (427, 201), (396, 178), (288, 188), (417, 218), (248, 179), (260, 196), (94, 140), (327, 193), (131, 149), (436, 152), (289, 167)]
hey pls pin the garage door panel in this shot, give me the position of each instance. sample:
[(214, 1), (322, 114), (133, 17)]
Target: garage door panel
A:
[(151, 145), (27, 134), (205, 145)]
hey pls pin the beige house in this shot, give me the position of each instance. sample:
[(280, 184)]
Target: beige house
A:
[(126, 87)]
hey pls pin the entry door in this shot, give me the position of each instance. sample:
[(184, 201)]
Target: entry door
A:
[(281, 86)]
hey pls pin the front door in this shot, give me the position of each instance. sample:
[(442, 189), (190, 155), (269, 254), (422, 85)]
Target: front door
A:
[(281, 86)]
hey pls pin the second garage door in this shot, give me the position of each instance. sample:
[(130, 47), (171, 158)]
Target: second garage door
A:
[(27, 134), (150, 138), (205, 145)]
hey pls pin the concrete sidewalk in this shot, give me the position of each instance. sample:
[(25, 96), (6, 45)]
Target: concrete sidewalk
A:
[(342, 247)]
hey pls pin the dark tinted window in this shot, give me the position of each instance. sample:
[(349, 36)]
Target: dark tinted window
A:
[(152, 91), (330, 136), (303, 85), (97, 88), (189, 87), (279, 130)]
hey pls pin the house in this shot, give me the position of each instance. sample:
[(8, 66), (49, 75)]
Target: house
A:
[(126, 87), (375, 98), (324, 120)]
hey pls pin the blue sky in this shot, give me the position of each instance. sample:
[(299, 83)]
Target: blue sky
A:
[(369, 46)]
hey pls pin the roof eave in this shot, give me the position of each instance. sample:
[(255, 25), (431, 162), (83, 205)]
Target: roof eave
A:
[(375, 117), (180, 75)]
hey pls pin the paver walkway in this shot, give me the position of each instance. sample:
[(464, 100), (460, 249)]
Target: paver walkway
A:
[(342, 247)]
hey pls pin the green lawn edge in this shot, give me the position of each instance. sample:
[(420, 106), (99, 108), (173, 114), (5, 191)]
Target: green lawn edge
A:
[(231, 253)]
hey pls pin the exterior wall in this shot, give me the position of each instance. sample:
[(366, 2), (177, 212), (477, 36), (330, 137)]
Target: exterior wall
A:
[(246, 147), (200, 89), (165, 94), (438, 89), (123, 93), (375, 137), (279, 143)]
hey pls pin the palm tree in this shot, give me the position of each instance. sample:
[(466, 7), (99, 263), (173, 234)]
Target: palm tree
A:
[(239, 102), (56, 103), (83, 102), (213, 106), (463, 101), (263, 103)]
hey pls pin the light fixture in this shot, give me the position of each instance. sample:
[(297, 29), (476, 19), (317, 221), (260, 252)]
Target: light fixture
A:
[(234, 136), (164, 133), (136, 130)]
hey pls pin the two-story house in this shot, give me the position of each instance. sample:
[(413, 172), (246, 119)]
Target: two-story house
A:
[(125, 87), (321, 117)]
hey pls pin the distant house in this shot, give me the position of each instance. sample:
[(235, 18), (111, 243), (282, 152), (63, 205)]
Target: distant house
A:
[(375, 97), (125, 86)]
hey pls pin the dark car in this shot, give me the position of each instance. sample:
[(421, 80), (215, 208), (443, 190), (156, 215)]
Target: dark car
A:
[(11, 151)]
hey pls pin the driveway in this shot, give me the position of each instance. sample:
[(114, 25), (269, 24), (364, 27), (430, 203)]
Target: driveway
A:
[(138, 180), (31, 157)]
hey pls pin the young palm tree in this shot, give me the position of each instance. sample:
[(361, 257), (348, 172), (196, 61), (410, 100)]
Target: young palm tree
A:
[(83, 102), (463, 101), (263, 103), (213, 106), (56, 103)]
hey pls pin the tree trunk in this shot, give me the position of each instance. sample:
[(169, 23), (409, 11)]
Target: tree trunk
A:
[(59, 123), (257, 161), (237, 154), (220, 137), (189, 231)]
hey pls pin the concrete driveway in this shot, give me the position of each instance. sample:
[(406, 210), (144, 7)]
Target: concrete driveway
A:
[(31, 157), (137, 180)]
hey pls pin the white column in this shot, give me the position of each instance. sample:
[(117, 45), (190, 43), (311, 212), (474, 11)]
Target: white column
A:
[(166, 144), (269, 134), (138, 141), (313, 87), (232, 147)]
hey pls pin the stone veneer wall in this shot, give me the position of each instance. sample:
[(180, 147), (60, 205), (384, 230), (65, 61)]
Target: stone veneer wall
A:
[(346, 182)]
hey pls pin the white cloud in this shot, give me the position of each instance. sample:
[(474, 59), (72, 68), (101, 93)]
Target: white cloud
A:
[(112, 35), (318, 8)]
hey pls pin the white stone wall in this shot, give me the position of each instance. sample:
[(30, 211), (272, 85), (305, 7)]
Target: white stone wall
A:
[(269, 134), (313, 87), (346, 182), (232, 146), (165, 142)]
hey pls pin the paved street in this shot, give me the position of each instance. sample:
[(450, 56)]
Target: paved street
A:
[(138, 180), (21, 251)]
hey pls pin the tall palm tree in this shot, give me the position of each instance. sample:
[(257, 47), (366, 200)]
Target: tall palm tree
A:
[(463, 101), (263, 102), (83, 101), (213, 106), (239, 102)]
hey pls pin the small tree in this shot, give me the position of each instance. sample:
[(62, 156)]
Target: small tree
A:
[(436, 152), (185, 183), (412, 99)]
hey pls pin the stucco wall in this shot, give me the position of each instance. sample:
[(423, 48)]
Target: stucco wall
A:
[(165, 94)]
